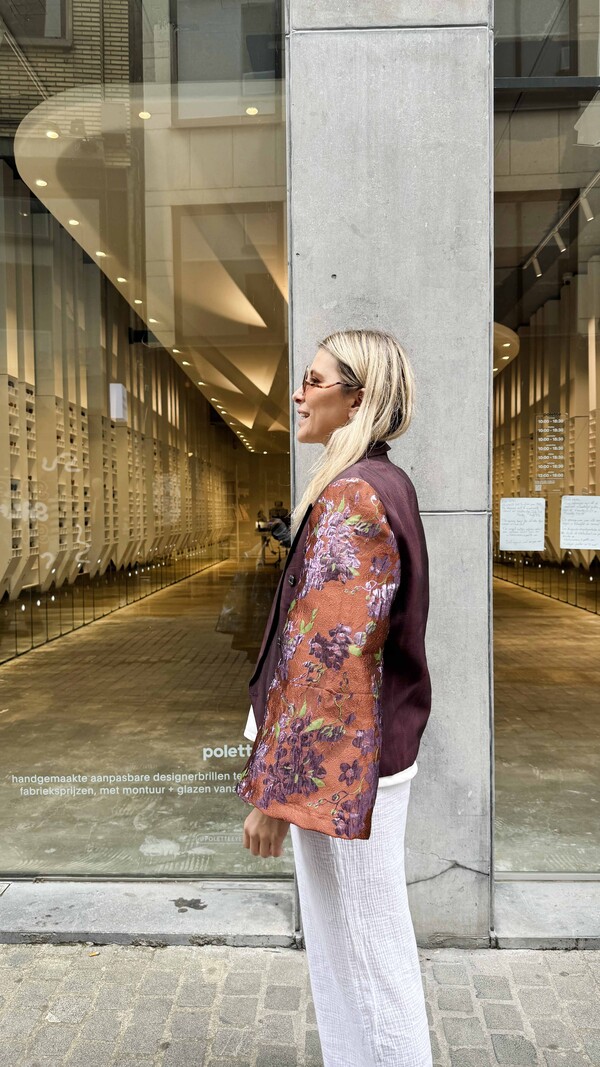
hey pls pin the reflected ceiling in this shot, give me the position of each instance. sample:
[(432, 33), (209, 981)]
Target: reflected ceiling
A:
[(188, 222)]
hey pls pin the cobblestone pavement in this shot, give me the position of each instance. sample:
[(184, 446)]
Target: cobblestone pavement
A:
[(118, 1006)]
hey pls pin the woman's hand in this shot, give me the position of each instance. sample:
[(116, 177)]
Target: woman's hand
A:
[(263, 835)]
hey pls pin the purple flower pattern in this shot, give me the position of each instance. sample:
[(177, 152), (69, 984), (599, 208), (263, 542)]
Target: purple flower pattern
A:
[(316, 757)]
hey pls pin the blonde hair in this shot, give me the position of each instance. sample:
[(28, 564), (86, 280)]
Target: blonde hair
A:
[(376, 362)]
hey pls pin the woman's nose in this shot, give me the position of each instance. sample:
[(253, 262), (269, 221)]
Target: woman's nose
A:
[(298, 395)]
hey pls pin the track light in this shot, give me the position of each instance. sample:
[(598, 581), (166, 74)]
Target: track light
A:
[(587, 211), (561, 244), (536, 267)]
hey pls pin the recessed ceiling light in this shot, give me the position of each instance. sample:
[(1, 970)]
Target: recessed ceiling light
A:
[(252, 111), (177, 351), (101, 255), (505, 357), (155, 321), (145, 115), (138, 301), (201, 383), (73, 222), (121, 279), (495, 369), (232, 423), (506, 344), (184, 363), (52, 134), (40, 182), (265, 453), (214, 399)]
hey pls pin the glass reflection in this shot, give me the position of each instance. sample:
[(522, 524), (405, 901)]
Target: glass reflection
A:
[(144, 393), (546, 380)]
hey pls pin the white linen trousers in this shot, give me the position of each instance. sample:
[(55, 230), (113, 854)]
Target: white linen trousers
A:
[(360, 942)]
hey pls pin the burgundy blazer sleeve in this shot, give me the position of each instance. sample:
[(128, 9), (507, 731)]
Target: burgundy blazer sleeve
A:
[(315, 760)]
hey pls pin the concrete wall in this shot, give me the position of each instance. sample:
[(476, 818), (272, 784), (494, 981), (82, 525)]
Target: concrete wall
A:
[(390, 185)]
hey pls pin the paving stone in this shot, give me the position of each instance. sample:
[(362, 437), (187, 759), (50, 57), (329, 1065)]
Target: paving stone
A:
[(285, 974), (553, 1034), (34, 994), (591, 1044), (451, 974), (502, 1017), (540, 1001), (530, 973), (566, 963), (184, 1054), (238, 1011), (573, 987), (455, 999), (71, 1009), (311, 1016), (277, 1029), (18, 1023), (151, 1009), (463, 1032), (113, 996), (515, 1050), (491, 987), (229, 1063), (230, 1042), (277, 1058), (469, 1057), (566, 1059), (242, 984), (102, 1026), (585, 1014), (53, 1041), (9, 1055), (312, 1047), (188, 1025), (282, 998), (194, 994), (97, 1055), (157, 982), (141, 1037)]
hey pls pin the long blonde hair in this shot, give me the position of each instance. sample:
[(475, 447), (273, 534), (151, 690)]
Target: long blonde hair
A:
[(376, 362)]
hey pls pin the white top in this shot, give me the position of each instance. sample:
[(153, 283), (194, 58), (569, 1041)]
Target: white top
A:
[(251, 731)]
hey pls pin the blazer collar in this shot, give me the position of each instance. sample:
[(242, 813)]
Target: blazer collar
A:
[(379, 448)]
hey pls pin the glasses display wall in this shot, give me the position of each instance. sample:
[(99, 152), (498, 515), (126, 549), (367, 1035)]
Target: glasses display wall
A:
[(546, 507), (144, 426)]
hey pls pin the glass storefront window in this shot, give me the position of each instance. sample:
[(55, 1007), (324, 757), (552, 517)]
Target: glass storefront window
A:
[(144, 428), (548, 39), (546, 507)]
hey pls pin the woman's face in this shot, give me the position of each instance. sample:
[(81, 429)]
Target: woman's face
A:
[(321, 411)]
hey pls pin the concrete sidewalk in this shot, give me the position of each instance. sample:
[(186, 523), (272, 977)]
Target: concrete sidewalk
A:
[(126, 1006)]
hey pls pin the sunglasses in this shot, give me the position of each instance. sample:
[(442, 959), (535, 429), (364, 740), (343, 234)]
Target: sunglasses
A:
[(308, 384)]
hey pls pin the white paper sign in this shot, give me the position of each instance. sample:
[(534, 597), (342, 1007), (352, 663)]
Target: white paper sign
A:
[(580, 522), (522, 523)]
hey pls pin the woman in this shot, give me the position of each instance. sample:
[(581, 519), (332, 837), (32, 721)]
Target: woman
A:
[(341, 695)]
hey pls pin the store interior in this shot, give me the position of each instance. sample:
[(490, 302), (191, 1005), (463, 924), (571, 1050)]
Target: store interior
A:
[(546, 522)]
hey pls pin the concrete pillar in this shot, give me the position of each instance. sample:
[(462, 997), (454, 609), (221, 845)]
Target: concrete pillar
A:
[(389, 146)]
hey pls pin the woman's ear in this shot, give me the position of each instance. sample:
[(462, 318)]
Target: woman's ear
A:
[(356, 404)]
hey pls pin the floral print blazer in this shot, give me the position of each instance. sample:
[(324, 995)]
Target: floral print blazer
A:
[(315, 760)]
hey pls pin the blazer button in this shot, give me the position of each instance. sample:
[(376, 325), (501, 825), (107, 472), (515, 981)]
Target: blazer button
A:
[(291, 579)]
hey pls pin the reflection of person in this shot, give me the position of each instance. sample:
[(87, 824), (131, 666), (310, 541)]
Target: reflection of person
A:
[(260, 516), (278, 511), (342, 696)]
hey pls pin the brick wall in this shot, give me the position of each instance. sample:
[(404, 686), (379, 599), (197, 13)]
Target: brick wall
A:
[(99, 54)]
